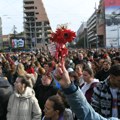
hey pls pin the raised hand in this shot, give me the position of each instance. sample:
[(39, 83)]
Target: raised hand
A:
[(61, 74)]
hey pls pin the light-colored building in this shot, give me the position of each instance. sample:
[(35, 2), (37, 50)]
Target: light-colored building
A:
[(95, 29), (81, 37), (36, 23), (92, 30)]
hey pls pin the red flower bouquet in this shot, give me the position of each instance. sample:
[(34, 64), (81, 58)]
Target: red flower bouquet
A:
[(61, 37)]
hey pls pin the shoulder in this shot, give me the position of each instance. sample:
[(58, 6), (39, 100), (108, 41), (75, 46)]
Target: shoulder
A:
[(68, 114), (33, 99), (102, 84), (94, 84)]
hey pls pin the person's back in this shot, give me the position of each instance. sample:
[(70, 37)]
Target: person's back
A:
[(5, 91)]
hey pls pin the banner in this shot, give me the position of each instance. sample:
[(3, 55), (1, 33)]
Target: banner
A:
[(109, 3), (112, 18), (52, 49)]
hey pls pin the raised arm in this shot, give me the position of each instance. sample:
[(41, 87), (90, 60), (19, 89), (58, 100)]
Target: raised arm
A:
[(75, 97)]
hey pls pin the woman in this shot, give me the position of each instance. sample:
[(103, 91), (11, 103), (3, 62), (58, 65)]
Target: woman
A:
[(22, 104), (55, 109), (89, 83)]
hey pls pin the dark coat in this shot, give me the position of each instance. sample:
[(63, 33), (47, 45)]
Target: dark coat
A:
[(5, 91), (44, 92), (102, 75)]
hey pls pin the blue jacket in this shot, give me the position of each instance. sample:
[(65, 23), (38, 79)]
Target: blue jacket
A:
[(80, 106)]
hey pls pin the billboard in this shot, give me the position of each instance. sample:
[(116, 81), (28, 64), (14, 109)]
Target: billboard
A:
[(112, 17), (18, 43)]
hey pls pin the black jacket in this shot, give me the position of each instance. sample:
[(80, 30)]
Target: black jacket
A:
[(44, 92)]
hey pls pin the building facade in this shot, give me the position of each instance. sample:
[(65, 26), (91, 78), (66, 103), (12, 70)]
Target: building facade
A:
[(36, 23), (92, 31), (96, 32), (81, 37), (6, 41), (101, 24), (1, 41)]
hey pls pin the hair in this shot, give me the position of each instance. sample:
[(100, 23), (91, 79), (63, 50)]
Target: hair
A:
[(37, 63), (79, 65), (74, 74), (58, 103), (90, 71), (63, 97), (107, 61), (20, 69), (115, 70), (25, 81)]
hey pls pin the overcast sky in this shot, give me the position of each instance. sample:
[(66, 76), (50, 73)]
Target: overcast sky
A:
[(73, 12)]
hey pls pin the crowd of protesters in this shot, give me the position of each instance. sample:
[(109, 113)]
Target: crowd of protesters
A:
[(29, 88)]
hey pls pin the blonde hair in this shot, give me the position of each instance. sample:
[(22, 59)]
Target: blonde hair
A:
[(21, 70)]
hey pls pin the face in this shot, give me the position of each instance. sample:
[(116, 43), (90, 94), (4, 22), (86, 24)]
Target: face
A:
[(46, 67), (115, 81), (80, 56), (46, 80), (101, 62), (48, 109), (19, 87), (86, 76), (93, 66), (78, 70), (106, 66)]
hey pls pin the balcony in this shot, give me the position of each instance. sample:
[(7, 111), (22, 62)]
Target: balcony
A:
[(29, 10)]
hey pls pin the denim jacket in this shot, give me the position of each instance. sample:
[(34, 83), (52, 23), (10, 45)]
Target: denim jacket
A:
[(80, 106)]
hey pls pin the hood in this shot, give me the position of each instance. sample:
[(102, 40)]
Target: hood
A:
[(29, 92), (3, 82), (95, 80)]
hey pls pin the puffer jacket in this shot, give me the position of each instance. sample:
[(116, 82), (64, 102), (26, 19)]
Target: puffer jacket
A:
[(23, 107)]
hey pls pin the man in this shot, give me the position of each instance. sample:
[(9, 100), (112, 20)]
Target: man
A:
[(44, 90), (104, 73), (106, 95), (77, 100)]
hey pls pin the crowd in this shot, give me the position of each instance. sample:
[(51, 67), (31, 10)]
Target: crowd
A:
[(36, 86)]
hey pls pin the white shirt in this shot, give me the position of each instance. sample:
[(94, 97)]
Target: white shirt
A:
[(86, 86)]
